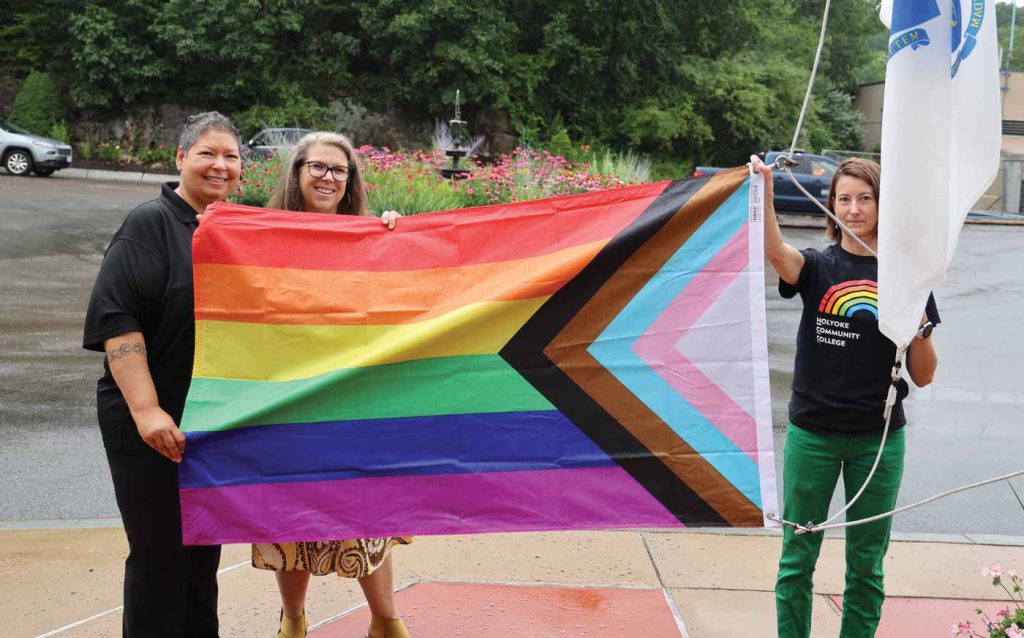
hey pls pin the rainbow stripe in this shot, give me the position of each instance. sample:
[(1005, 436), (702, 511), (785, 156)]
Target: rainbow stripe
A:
[(851, 297), (465, 372)]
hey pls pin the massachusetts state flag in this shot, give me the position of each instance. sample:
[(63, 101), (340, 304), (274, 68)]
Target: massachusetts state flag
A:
[(941, 124), (591, 361)]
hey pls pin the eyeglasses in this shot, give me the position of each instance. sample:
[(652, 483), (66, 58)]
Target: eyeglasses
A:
[(319, 169)]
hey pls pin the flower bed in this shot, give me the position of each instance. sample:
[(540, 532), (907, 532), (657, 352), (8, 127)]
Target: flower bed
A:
[(1009, 622), (408, 181)]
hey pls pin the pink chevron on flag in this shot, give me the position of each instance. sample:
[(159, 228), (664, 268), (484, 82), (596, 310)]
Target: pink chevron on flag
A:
[(664, 345)]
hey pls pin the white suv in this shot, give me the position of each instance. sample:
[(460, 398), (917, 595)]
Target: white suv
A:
[(21, 151)]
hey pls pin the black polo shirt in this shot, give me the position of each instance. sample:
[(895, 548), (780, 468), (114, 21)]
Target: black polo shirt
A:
[(145, 285)]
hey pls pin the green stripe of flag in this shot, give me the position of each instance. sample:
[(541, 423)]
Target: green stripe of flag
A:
[(426, 387)]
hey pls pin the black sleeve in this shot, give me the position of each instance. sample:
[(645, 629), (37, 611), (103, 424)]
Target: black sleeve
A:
[(788, 291), (126, 292)]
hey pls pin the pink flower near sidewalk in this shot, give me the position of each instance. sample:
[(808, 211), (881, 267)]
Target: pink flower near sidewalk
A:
[(961, 629), (995, 571), (1014, 631)]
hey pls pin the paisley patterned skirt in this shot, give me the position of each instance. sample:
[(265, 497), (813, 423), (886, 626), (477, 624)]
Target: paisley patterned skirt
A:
[(348, 558)]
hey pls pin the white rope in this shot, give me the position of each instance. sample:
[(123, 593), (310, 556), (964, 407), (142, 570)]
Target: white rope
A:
[(871, 519), (810, 85), (890, 401), (788, 161)]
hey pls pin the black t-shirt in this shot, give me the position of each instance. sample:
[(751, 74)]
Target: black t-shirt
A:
[(145, 285), (842, 370)]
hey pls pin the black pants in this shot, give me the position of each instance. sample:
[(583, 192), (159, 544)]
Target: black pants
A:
[(170, 591)]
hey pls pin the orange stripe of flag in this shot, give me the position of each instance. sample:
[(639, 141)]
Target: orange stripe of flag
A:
[(255, 294)]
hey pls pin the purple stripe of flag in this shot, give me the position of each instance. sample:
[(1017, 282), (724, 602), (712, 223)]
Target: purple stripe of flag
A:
[(592, 498)]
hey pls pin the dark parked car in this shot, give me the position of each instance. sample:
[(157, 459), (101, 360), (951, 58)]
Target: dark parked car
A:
[(22, 152), (274, 141), (814, 172)]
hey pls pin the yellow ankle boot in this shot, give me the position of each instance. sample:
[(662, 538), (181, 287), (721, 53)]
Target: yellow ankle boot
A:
[(292, 627), (386, 628)]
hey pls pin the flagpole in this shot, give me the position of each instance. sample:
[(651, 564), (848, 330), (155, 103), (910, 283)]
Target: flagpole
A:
[(1013, 27)]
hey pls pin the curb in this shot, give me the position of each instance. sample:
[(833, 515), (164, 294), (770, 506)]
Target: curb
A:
[(965, 538), (58, 523), (115, 176)]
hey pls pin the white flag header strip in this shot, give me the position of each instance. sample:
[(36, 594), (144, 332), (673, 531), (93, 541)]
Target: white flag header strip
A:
[(940, 146)]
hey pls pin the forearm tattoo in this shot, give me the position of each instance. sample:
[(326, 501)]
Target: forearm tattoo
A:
[(126, 349)]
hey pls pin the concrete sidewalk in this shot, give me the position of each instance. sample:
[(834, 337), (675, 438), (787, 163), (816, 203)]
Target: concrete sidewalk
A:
[(67, 582)]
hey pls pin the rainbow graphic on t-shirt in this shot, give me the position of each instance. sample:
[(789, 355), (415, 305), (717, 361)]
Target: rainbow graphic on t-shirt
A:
[(851, 297)]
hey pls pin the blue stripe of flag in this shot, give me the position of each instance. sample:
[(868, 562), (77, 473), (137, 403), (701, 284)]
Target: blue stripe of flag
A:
[(446, 444)]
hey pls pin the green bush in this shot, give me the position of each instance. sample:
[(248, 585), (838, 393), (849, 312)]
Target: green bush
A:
[(628, 167), (109, 153), (37, 107), (60, 132), (301, 112), (410, 189), (156, 153), (665, 167), (85, 150), (561, 144)]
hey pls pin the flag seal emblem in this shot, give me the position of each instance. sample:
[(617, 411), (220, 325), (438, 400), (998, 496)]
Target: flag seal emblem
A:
[(907, 20), (965, 39)]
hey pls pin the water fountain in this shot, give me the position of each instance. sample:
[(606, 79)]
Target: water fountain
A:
[(459, 146)]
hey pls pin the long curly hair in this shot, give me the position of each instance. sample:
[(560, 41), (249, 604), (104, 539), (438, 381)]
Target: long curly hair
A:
[(287, 195)]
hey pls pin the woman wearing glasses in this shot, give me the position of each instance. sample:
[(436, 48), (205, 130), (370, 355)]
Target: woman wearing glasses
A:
[(322, 176)]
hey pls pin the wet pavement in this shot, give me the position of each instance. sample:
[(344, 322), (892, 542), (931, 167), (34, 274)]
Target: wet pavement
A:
[(446, 610), (965, 427), (52, 235), (67, 582)]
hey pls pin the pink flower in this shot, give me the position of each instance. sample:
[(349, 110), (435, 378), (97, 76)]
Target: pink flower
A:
[(961, 629), (1012, 573), (995, 571), (1013, 631)]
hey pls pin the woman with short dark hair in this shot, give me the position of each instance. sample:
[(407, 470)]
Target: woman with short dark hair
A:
[(141, 315)]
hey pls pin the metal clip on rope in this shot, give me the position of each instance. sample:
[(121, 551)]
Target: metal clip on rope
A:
[(784, 162), (890, 399)]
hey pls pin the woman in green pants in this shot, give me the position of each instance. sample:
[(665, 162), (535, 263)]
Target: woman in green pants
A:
[(840, 381)]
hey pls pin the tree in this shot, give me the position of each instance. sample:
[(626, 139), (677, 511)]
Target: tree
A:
[(34, 35), (116, 63), (269, 52), (689, 80), (416, 53), (37, 107)]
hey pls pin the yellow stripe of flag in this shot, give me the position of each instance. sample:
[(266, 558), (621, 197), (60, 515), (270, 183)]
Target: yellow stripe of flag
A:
[(281, 352)]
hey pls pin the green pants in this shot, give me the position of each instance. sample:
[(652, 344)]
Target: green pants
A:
[(811, 468)]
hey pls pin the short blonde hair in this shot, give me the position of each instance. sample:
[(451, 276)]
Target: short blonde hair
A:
[(287, 195), (863, 169)]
